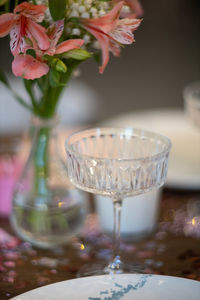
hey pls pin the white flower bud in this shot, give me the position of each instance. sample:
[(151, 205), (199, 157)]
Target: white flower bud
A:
[(125, 9), (85, 15), (74, 13), (81, 9), (86, 38), (76, 31), (101, 13), (96, 45), (105, 5), (93, 10), (75, 6)]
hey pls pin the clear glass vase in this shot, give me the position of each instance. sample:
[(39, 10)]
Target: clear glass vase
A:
[(46, 211)]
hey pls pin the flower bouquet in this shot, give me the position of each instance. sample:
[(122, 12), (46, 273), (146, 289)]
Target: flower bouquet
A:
[(48, 40)]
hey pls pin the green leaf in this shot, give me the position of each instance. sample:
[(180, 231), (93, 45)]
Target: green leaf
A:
[(29, 88), (28, 85), (22, 102), (31, 52), (54, 77), (42, 83), (2, 2), (79, 54), (60, 66), (57, 9), (3, 79), (74, 20), (28, 41), (97, 57), (48, 58)]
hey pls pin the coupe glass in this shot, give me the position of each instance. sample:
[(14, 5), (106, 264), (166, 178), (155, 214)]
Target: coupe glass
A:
[(117, 162)]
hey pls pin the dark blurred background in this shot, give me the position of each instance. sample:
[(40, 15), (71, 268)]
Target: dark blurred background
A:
[(153, 72)]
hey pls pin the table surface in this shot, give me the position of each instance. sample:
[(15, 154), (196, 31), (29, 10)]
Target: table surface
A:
[(173, 249)]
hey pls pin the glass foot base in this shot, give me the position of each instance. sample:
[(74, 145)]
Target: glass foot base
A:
[(91, 270), (119, 267), (98, 269)]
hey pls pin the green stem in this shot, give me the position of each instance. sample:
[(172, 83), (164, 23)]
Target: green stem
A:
[(41, 162), (40, 217), (51, 101), (51, 95), (29, 85)]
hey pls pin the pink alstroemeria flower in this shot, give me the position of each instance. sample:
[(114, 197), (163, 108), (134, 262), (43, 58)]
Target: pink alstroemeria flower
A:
[(111, 32), (54, 33), (22, 24), (31, 68), (28, 67), (135, 6)]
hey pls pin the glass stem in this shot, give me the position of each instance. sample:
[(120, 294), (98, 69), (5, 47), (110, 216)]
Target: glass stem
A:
[(117, 205)]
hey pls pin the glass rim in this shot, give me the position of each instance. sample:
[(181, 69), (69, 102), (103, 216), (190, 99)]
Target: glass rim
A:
[(165, 139)]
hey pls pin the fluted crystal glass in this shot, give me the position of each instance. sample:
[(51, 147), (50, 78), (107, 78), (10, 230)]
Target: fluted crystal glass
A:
[(117, 162)]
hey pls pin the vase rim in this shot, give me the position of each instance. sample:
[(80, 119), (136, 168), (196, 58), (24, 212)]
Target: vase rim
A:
[(45, 122)]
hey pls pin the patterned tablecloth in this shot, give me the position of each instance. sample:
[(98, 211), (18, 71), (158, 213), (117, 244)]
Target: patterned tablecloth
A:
[(173, 249)]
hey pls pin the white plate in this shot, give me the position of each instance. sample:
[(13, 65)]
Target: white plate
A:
[(117, 287), (184, 164)]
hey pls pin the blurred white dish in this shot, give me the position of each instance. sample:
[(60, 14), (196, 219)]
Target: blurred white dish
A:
[(191, 95), (113, 287), (184, 164)]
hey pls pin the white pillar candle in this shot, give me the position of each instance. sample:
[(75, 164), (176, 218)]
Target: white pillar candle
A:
[(139, 214)]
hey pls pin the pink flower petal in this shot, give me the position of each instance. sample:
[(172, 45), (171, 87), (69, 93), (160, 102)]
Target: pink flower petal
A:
[(6, 23), (136, 7), (110, 31), (38, 32), (105, 53), (131, 23), (123, 31), (54, 32), (35, 12), (114, 48), (107, 22), (100, 28), (122, 36), (69, 45), (104, 44), (28, 67), (16, 42)]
